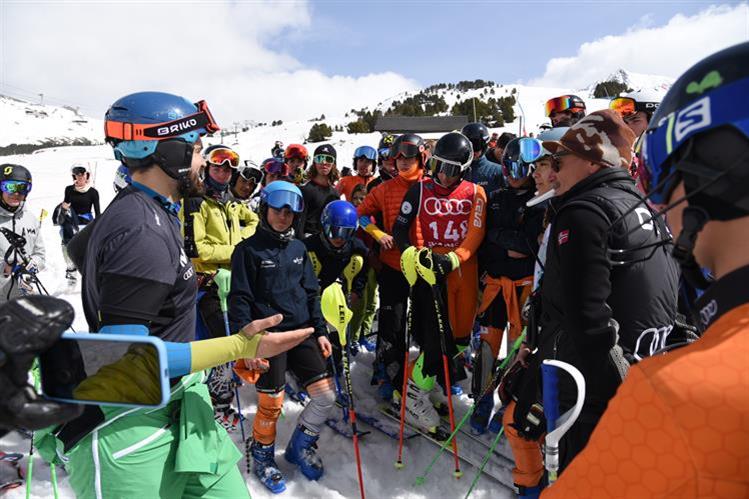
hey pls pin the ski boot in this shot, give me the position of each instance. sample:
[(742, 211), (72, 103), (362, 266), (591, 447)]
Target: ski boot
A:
[(265, 468), (366, 344), (229, 418), (385, 387), (419, 409), (302, 452), (480, 416), (456, 389), (496, 423)]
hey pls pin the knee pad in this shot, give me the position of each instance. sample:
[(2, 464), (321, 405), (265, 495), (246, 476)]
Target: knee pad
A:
[(318, 409), (268, 410)]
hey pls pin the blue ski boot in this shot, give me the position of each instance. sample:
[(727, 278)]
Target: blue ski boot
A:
[(480, 416), (496, 423), (302, 452), (366, 344), (265, 468), (385, 387)]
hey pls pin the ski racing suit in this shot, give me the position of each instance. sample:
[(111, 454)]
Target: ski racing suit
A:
[(444, 220), (385, 201), (678, 425), (600, 306)]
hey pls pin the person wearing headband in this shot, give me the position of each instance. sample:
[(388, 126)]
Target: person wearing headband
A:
[(79, 207)]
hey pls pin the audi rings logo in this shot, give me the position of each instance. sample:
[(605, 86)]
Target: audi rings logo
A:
[(438, 206)]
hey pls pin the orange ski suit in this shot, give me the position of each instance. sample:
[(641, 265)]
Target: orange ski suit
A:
[(679, 424)]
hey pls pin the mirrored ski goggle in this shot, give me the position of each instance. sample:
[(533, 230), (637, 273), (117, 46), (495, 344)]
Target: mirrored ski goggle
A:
[(284, 199), (15, 186), (384, 153), (448, 167), (559, 104), (276, 166), (345, 233), (203, 119), (324, 158), (223, 157), (405, 149), (250, 173), (726, 105), (79, 170), (627, 106), (517, 162), (365, 152)]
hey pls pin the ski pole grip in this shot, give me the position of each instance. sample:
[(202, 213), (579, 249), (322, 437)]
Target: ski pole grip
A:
[(550, 376), (223, 281)]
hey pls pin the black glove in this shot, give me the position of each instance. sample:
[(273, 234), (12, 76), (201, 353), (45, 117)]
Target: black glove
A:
[(441, 264), (28, 327)]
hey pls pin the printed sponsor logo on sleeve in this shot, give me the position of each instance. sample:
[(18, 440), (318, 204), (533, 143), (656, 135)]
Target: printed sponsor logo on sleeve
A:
[(563, 237), (406, 208)]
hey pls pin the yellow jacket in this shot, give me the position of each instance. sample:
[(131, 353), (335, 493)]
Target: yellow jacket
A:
[(216, 229)]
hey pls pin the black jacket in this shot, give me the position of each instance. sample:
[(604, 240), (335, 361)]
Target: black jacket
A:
[(269, 277), (510, 225), (333, 262), (316, 197), (584, 288)]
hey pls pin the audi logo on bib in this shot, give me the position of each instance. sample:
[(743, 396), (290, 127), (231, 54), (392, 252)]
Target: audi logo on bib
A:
[(442, 206)]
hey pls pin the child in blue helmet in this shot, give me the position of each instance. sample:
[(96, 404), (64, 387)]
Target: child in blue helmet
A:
[(273, 274), (332, 249)]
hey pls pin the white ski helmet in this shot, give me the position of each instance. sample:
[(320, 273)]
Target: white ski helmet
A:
[(551, 134)]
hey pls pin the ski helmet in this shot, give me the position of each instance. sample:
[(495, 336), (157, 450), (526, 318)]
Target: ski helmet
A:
[(276, 167), (366, 152), (478, 134), (409, 145), (121, 178), (297, 151), (630, 103), (15, 179), (571, 103), (700, 135), (550, 134), (248, 171), (383, 148), (452, 155), (519, 156), (221, 155), (155, 127), (339, 220), (280, 194)]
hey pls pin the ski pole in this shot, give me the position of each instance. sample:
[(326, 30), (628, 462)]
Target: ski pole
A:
[(335, 311), (426, 271), (408, 267), (484, 461), (561, 424), (420, 480), (223, 281)]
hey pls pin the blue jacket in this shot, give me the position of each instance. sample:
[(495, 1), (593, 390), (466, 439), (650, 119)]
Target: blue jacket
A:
[(487, 174), (270, 277)]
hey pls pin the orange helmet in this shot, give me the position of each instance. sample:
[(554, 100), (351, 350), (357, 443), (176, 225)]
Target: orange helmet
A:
[(296, 151)]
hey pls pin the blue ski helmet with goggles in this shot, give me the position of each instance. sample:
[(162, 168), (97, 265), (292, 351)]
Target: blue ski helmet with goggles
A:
[(365, 152), (281, 194), (700, 136), (339, 220), (155, 127), (519, 156)]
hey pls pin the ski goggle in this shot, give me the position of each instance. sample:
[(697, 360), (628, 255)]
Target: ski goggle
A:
[(283, 199), (276, 166), (365, 152), (15, 186), (405, 149), (345, 233), (222, 156), (79, 170), (563, 103), (627, 106), (517, 161), (203, 119), (250, 171), (726, 105), (384, 153), (448, 167), (324, 158)]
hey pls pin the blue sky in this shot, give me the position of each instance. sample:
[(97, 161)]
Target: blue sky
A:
[(437, 41)]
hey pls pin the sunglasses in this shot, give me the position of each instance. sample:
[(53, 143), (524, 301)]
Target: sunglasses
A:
[(555, 159), (166, 130), (15, 186), (325, 158), (223, 157)]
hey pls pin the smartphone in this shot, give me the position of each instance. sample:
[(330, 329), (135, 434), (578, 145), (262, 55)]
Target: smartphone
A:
[(106, 369)]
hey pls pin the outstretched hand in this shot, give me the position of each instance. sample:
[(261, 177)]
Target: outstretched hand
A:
[(274, 343)]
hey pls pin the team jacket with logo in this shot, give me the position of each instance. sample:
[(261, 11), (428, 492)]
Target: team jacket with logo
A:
[(679, 424), (445, 220), (26, 224), (269, 277)]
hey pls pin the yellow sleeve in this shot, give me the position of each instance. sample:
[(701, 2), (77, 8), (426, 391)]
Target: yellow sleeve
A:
[(250, 219), (216, 351), (476, 227)]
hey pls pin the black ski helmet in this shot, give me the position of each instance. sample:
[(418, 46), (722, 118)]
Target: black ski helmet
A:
[(15, 172), (409, 145), (454, 152), (478, 134)]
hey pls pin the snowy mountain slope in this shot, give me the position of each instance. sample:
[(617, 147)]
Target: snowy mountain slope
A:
[(23, 122)]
